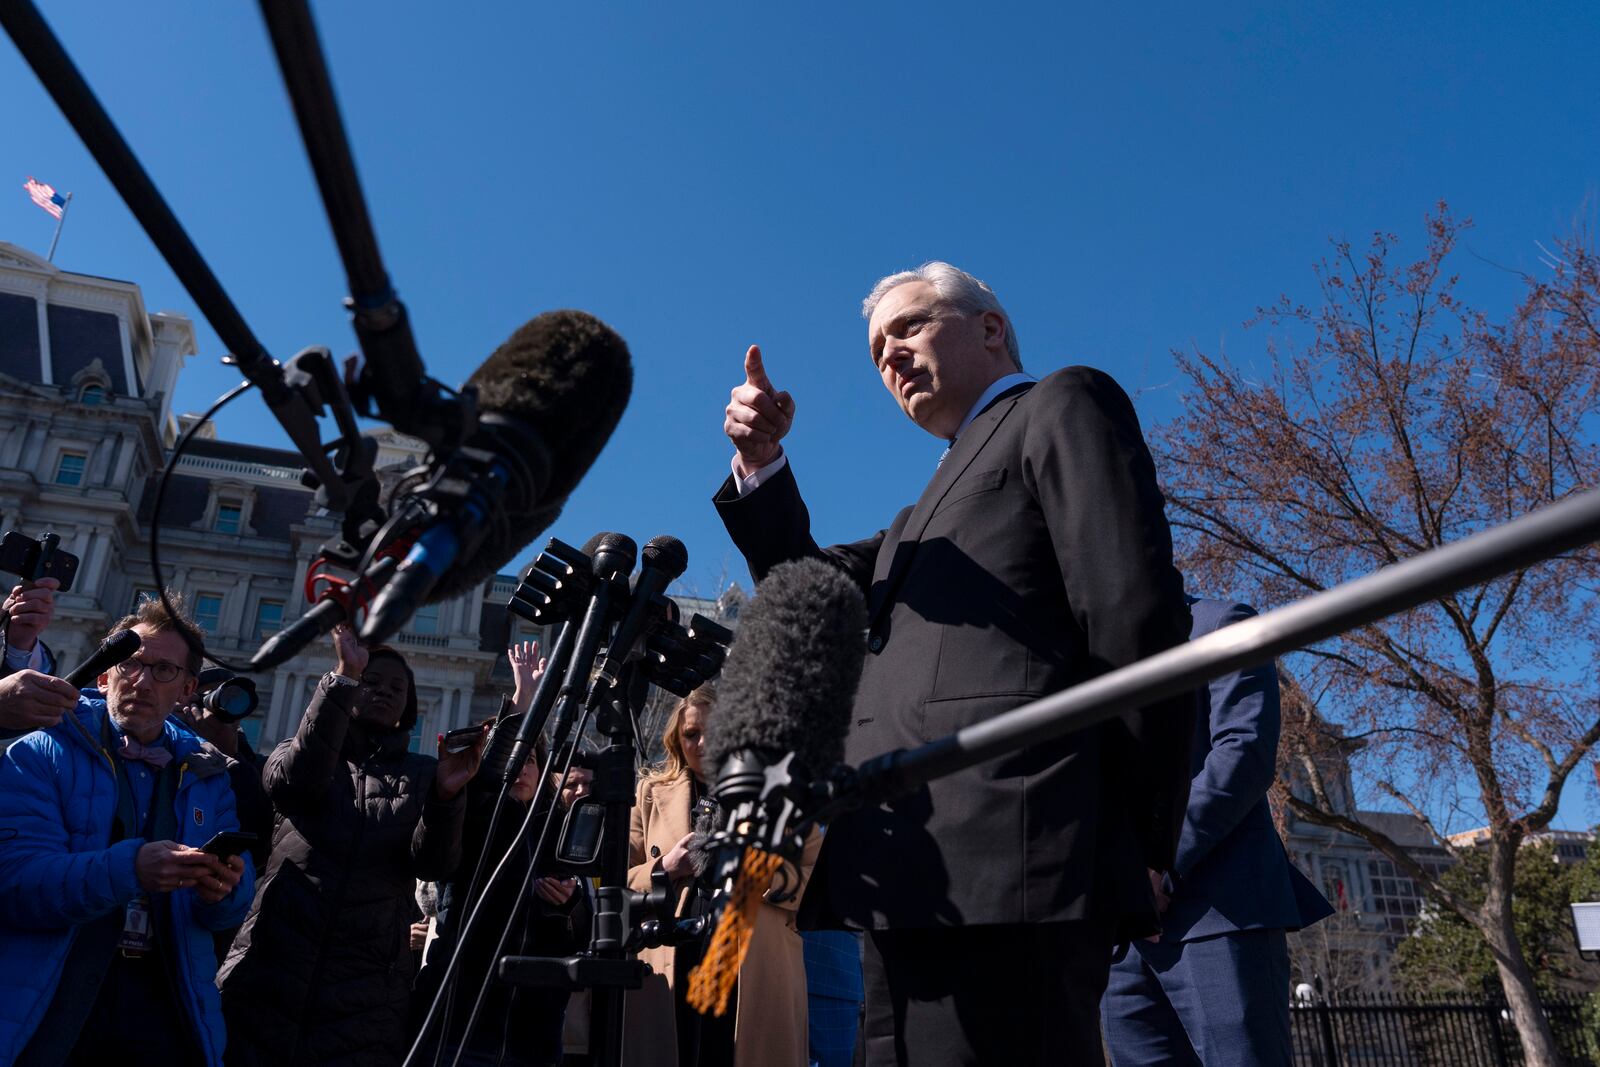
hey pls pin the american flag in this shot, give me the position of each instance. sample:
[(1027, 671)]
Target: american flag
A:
[(46, 197)]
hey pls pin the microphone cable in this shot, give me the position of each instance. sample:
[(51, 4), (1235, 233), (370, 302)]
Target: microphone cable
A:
[(155, 523)]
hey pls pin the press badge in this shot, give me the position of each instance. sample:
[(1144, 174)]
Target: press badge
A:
[(137, 938)]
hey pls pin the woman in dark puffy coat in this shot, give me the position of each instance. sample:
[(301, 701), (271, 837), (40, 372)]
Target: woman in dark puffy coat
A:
[(321, 970)]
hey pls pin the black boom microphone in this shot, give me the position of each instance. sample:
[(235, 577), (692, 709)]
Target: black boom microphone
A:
[(784, 701), (112, 651), (548, 400)]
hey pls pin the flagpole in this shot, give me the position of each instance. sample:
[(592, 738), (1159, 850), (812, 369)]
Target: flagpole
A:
[(62, 221)]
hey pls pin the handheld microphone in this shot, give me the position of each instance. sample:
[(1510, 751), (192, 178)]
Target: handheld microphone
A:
[(112, 651), (550, 397), (325, 614), (665, 559)]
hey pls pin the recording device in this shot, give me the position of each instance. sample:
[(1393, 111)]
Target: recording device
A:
[(229, 843), (228, 696), (581, 834), (462, 739), (554, 586), (31, 560), (549, 398), (333, 606), (112, 651), (542, 407)]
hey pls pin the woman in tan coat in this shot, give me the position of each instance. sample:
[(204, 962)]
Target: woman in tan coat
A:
[(769, 1014)]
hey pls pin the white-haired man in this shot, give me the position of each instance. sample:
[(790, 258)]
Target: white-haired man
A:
[(1038, 556)]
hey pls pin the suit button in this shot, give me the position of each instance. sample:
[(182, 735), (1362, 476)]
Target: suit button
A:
[(876, 644), (655, 852)]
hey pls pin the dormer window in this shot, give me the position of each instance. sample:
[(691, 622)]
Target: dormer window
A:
[(230, 509), (230, 516), (92, 385)]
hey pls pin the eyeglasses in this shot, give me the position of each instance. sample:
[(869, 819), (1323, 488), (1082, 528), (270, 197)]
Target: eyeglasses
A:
[(161, 671)]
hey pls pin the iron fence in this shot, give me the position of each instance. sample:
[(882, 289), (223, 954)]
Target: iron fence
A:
[(1382, 1030)]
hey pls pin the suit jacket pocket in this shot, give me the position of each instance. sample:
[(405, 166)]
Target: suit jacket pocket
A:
[(946, 715), (973, 483)]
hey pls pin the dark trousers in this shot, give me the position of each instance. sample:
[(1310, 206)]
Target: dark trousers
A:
[(984, 995), (1216, 1002)]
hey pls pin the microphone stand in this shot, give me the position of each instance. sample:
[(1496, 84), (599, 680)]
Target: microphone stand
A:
[(615, 786)]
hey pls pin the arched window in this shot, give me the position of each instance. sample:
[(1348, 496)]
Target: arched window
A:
[(92, 395)]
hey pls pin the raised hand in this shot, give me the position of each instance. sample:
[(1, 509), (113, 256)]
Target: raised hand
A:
[(758, 416), (31, 605), (527, 667), (352, 657), (33, 701), (457, 768)]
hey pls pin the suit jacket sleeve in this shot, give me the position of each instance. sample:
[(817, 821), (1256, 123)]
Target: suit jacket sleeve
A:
[(1244, 724), (1085, 462), (772, 525)]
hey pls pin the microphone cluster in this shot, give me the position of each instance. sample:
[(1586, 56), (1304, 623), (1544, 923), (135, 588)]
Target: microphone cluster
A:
[(560, 584)]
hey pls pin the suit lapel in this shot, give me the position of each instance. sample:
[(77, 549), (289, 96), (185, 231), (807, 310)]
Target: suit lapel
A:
[(894, 556)]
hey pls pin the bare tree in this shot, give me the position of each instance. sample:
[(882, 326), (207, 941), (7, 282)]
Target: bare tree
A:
[(1390, 418)]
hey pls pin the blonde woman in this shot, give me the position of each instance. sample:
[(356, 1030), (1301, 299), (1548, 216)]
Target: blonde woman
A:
[(766, 1026)]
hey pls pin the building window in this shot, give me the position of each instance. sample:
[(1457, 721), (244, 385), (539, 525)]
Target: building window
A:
[(269, 617), (426, 620), (92, 395), (228, 517), (141, 595), (208, 612), (70, 467)]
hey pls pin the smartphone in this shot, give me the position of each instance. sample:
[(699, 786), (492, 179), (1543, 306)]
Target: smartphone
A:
[(29, 559), (229, 843), (462, 739)]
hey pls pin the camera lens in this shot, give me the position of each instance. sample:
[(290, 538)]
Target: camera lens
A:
[(229, 698)]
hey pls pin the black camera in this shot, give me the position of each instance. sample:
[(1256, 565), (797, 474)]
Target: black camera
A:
[(226, 695), (31, 560)]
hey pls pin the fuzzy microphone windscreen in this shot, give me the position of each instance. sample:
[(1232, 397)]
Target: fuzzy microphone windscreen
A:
[(792, 671)]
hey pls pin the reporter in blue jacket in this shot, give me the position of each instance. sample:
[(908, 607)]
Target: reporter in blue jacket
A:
[(106, 902), (1213, 989)]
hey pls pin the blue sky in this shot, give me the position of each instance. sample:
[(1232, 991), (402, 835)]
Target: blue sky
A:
[(1130, 180)]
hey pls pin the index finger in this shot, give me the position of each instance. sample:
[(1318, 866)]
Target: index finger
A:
[(755, 372)]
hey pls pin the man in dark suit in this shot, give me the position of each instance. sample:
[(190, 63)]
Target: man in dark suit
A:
[(1037, 557), (1213, 989)]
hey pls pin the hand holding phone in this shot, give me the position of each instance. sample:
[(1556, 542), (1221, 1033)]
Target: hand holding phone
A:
[(229, 843)]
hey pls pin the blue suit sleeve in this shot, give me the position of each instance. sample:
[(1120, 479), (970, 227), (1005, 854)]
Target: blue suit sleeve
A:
[(1238, 769), (43, 883)]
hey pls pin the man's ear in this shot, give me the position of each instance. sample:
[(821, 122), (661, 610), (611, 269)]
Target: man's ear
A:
[(190, 684), (100, 682), (995, 329)]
